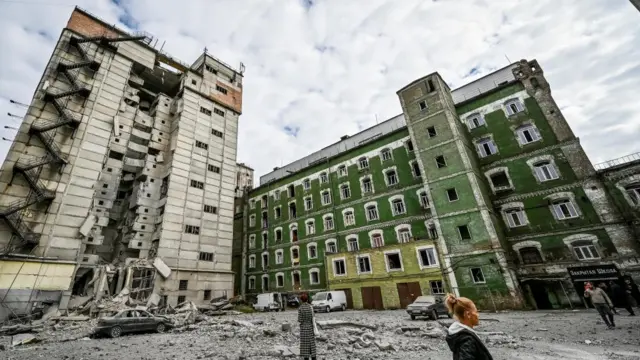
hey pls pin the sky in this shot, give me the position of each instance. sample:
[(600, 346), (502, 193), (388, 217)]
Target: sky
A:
[(320, 69)]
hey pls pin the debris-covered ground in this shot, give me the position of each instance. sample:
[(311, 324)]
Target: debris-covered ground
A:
[(373, 335)]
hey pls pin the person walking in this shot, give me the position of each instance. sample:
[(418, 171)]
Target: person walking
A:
[(307, 333), (601, 302), (620, 297), (631, 301), (463, 341)]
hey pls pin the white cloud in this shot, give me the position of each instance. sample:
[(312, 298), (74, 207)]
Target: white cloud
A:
[(329, 70)]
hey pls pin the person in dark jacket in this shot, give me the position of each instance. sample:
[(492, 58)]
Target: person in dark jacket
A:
[(307, 331), (620, 297), (461, 338)]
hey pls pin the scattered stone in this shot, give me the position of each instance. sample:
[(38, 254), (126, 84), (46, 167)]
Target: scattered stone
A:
[(286, 327), (269, 333), (384, 346), (588, 342), (543, 329), (23, 339)]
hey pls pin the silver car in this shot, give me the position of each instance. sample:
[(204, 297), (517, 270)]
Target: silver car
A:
[(429, 306)]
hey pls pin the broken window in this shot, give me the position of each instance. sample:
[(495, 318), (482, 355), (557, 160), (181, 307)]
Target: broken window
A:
[(207, 295), (206, 256), (440, 162), (294, 234), (313, 252), (279, 280), (205, 110), (201, 145), (217, 133), (210, 69), (423, 105), (218, 112), (183, 285), (278, 235), (463, 230), (191, 229), (452, 194), (500, 181), (530, 255), (428, 257), (197, 184), (314, 277), (424, 199), (291, 190), (409, 145), (278, 212), (292, 211), (433, 232), (142, 283), (221, 89), (633, 191), (415, 169), (181, 299), (431, 131), (213, 168), (210, 209), (477, 275), (430, 87), (394, 262), (116, 155)]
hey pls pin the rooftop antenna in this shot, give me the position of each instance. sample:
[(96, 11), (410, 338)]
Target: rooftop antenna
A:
[(509, 61), (205, 49)]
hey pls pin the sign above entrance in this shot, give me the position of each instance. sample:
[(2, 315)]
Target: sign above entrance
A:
[(596, 272)]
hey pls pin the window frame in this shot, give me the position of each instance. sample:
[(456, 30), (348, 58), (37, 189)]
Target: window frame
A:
[(432, 248), (386, 260), (373, 236), (367, 214), (342, 193), (323, 201), (533, 131), (473, 278), (343, 171), (352, 217), (344, 265), (556, 209), (352, 239), (363, 163), (358, 269), (475, 116), (490, 144), (384, 151)]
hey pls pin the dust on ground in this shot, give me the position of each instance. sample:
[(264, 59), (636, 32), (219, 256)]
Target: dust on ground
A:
[(372, 335)]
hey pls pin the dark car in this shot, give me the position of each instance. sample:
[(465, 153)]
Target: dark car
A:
[(293, 301), (131, 321), (429, 306)]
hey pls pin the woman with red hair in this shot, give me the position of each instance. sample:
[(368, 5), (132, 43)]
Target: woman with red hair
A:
[(461, 338), (307, 335)]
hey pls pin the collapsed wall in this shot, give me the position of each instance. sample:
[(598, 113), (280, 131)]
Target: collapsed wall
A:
[(125, 154)]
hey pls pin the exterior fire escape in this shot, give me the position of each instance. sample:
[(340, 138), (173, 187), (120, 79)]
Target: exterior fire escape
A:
[(23, 237)]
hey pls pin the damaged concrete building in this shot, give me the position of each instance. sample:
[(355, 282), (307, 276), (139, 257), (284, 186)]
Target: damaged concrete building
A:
[(124, 167)]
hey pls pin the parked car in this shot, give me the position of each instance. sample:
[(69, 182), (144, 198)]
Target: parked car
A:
[(329, 300), (429, 306), (293, 301), (132, 321), (269, 302)]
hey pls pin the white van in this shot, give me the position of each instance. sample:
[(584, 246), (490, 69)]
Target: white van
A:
[(329, 300), (269, 302)]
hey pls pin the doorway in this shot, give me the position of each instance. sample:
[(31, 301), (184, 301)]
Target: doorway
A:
[(372, 298), (408, 293)]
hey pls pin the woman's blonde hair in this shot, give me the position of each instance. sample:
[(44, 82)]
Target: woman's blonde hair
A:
[(458, 305)]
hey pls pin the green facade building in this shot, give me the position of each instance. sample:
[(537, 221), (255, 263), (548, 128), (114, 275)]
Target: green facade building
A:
[(491, 172)]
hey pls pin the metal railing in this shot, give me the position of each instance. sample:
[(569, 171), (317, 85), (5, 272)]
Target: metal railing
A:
[(618, 161)]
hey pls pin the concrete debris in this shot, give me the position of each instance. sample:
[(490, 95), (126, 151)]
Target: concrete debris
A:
[(285, 351), (330, 324), (285, 327), (23, 339), (588, 342), (161, 267), (384, 346)]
